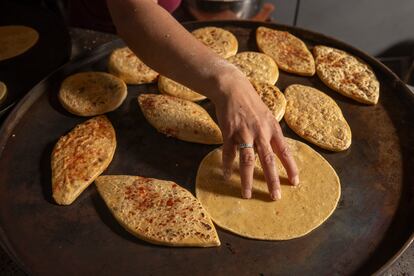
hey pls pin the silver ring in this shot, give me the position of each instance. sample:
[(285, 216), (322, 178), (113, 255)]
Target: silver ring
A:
[(245, 146)]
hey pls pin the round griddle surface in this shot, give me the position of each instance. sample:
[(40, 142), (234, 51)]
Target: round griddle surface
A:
[(368, 229)]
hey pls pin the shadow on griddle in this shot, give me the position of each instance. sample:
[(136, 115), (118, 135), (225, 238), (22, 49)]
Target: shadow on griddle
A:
[(46, 173)]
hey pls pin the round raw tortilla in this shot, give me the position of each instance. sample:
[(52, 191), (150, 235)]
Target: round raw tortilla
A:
[(15, 40), (301, 209)]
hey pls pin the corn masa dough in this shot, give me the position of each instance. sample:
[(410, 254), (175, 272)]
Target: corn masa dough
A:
[(301, 209)]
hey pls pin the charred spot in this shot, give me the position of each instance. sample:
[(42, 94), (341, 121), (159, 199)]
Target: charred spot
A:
[(148, 103), (208, 227), (170, 202)]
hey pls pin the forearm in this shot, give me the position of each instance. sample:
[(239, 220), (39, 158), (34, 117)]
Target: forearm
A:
[(164, 45)]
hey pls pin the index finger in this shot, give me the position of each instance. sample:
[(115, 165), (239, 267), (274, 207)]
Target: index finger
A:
[(281, 148)]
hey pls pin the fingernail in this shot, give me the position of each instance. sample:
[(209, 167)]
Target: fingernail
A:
[(247, 193), (276, 195), (226, 174), (295, 180)]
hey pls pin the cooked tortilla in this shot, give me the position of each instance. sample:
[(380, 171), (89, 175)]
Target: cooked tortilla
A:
[(221, 41), (289, 52), (157, 211), (301, 209), (257, 67), (124, 64), (80, 156), (180, 119), (169, 87), (92, 93), (16, 40), (273, 98), (316, 117), (346, 74)]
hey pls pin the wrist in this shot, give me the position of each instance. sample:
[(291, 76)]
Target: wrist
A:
[(226, 79)]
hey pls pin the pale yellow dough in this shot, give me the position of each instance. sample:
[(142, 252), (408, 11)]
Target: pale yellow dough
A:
[(301, 209)]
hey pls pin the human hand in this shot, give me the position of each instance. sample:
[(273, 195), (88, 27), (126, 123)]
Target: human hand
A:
[(245, 119)]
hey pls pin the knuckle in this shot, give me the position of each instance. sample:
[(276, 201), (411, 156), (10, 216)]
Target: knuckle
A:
[(228, 155), (227, 137), (247, 158), (263, 135), (284, 152), (275, 182), (269, 158)]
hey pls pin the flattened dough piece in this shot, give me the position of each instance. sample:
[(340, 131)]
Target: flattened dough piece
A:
[(169, 87), (346, 74), (316, 117), (180, 119), (157, 211), (81, 156), (273, 98), (124, 64), (300, 210), (289, 52), (92, 93), (257, 67), (15, 40), (221, 41)]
